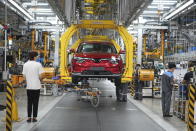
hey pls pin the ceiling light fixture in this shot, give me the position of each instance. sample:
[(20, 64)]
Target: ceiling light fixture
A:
[(155, 7)]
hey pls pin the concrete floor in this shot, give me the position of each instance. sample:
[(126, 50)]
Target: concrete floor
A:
[(44, 103), (155, 106), (72, 115)]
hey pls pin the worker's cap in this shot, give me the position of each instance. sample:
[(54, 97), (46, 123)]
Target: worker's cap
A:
[(171, 65)]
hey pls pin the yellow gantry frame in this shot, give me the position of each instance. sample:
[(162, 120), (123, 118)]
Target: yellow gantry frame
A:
[(99, 24)]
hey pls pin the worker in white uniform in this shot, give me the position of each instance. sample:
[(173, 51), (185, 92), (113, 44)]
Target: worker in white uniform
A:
[(33, 74)]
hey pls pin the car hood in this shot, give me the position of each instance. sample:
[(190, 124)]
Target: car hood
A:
[(95, 55)]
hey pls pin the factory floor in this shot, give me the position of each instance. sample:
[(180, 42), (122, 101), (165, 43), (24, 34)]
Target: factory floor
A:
[(155, 106), (66, 113)]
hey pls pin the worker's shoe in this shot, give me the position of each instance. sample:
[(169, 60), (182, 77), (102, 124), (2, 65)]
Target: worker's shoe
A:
[(168, 115), (118, 98), (34, 120), (29, 120)]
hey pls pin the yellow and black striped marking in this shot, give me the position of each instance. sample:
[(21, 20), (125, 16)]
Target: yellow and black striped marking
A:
[(132, 91), (190, 122), (9, 96)]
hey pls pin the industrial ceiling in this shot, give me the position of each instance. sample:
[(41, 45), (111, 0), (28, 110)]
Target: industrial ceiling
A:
[(67, 12), (122, 11)]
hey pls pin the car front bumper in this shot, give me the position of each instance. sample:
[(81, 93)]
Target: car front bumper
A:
[(79, 75)]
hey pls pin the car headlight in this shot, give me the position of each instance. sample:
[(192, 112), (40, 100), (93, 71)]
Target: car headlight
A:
[(114, 60)]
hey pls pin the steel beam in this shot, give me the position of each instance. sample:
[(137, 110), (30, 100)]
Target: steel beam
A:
[(151, 27), (137, 11), (40, 27), (18, 9)]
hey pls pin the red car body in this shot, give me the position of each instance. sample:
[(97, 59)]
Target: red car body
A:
[(96, 60)]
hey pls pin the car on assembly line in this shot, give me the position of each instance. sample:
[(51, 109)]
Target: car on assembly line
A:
[(98, 59)]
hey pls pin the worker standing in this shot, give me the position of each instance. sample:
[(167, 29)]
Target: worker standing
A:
[(138, 85), (33, 73), (188, 76), (167, 85)]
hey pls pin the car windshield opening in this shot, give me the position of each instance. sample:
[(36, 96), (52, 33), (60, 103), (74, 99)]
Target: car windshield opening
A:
[(96, 48)]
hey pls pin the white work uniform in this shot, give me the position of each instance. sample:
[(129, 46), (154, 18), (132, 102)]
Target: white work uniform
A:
[(31, 71)]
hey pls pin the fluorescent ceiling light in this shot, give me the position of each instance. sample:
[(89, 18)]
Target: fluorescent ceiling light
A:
[(164, 1), (150, 15), (155, 7), (41, 9), (21, 9), (45, 13), (37, 4), (38, 10), (150, 12), (179, 9)]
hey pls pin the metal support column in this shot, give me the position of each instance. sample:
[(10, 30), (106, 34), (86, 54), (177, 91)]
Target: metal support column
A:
[(5, 74), (45, 48), (33, 40), (5, 60), (162, 44), (56, 52), (139, 47)]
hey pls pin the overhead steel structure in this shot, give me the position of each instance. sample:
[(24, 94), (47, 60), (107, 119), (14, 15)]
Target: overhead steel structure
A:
[(121, 11)]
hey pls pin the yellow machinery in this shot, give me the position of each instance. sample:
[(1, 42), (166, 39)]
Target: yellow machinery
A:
[(95, 1), (156, 53), (97, 24), (94, 5), (146, 75), (45, 48), (49, 72), (16, 79)]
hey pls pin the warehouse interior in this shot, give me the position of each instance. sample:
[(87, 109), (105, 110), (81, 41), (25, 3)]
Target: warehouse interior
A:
[(104, 63)]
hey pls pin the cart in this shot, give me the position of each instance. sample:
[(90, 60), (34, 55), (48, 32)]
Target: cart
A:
[(88, 93), (180, 101)]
